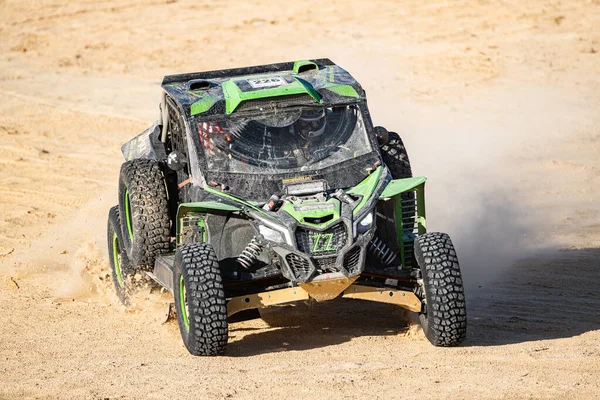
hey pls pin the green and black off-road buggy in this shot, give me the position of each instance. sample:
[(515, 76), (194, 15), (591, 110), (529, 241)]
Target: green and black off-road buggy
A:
[(267, 185)]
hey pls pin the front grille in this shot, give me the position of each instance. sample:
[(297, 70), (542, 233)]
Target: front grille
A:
[(325, 243), (299, 265), (326, 264), (352, 260)]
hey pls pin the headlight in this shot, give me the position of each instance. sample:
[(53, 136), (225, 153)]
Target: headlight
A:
[(365, 224), (270, 234), (271, 230)]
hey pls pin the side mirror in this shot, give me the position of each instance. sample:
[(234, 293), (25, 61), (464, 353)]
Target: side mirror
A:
[(382, 135), (176, 161)]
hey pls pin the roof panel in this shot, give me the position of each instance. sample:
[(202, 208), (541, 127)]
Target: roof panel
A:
[(221, 92)]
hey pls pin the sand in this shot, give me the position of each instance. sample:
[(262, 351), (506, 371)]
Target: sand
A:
[(497, 103)]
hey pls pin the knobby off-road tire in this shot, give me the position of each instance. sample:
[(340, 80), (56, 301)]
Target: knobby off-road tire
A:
[(144, 211), (120, 267), (200, 300), (444, 315), (395, 156)]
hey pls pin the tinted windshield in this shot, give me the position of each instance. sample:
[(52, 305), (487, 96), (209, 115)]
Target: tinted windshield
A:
[(299, 139)]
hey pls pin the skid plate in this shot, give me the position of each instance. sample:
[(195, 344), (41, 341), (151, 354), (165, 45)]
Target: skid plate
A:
[(318, 291)]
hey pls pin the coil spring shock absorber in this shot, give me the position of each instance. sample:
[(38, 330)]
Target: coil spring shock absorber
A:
[(250, 254), (382, 251)]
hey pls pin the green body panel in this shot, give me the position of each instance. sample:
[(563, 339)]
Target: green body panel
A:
[(205, 206), (365, 189), (343, 90), (397, 186), (315, 210), (237, 200), (394, 190), (234, 96), (202, 105)]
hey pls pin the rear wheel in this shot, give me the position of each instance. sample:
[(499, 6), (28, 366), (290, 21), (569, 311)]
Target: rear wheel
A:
[(395, 156), (120, 268), (144, 211), (200, 300), (444, 315)]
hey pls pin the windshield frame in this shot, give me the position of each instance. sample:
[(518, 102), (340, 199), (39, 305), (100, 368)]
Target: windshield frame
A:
[(202, 176)]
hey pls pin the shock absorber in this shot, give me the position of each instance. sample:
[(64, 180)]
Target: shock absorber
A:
[(382, 251), (250, 254)]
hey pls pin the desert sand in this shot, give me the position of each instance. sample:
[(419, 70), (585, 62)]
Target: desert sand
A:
[(497, 102)]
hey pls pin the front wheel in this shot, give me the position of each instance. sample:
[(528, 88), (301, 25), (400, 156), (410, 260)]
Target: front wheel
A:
[(200, 300), (444, 314)]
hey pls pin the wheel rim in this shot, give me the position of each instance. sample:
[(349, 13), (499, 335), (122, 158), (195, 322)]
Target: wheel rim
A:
[(128, 215), (183, 301), (116, 260)]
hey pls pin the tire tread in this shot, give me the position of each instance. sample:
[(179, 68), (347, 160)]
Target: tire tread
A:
[(208, 331), (395, 156), (150, 211), (446, 320)]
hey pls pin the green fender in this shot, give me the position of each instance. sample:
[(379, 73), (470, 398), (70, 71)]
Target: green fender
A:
[(205, 206), (398, 186), (394, 191)]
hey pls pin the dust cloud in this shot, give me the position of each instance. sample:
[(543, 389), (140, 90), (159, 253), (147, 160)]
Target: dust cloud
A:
[(73, 252), (476, 192)]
